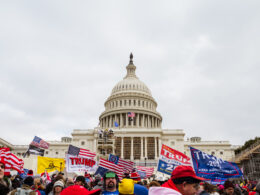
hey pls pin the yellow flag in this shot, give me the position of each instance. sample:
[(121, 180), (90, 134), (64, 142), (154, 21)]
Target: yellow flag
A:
[(50, 164)]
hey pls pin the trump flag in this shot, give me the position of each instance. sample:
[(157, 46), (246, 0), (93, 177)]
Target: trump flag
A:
[(170, 158), (212, 168)]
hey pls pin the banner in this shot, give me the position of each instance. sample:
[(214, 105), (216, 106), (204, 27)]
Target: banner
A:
[(35, 150), (170, 158), (74, 164), (212, 168), (50, 164)]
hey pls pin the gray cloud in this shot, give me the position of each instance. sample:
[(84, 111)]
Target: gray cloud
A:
[(59, 61)]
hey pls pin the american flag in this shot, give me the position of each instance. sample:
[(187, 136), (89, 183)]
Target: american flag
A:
[(127, 165), (73, 150), (147, 170), (39, 142), (131, 114), (11, 161), (112, 167)]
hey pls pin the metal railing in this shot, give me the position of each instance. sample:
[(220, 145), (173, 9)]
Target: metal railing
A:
[(247, 151)]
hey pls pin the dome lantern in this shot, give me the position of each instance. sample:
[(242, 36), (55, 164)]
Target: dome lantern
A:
[(130, 68)]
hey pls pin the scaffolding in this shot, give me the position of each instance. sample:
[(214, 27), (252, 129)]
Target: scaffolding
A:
[(249, 161)]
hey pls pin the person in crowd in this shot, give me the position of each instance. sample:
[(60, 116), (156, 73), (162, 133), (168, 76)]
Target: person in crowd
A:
[(79, 190), (57, 188), (126, 186), (26, 188), (4, 189), (229, 188), (154, 184), (97, 183), (69, 182), (16, 182), (126, 174), (38, 186), (54, 178), (111, 181), (207, 189), (257, 188), (80, 180), (183, 181)]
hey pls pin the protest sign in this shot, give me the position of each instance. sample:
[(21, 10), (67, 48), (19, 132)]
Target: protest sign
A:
[(76, 164), (170, 158)]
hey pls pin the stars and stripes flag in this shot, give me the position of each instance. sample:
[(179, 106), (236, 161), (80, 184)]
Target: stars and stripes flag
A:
[(73, 150), (11, 161), (39, 142), (131, 114), (107, 165), (148, 170), (127, 165)]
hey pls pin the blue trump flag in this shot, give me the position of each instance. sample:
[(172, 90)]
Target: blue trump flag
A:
[(212, 168)]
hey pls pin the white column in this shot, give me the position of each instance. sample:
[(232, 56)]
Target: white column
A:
[(160, 144), (122, 147), (121, 120), (95, 144), (155, 148), (145, 145), (142, 123), (126, 120), (142, 149), (132, 149), (106, 122), (137, 119)]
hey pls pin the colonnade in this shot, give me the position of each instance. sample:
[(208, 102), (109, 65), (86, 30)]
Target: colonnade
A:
[(122, 119), (138, 148)]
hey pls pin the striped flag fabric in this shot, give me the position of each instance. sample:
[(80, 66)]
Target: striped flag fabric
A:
[(112, 167), (127, 165), (11, 161), (73, 150), (131, 114), (39, 142), (148, 170)]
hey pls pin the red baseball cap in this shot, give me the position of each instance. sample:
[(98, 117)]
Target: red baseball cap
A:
[(77, 189), (185, 171)]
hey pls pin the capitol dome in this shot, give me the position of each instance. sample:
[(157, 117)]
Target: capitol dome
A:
[(130, 95)]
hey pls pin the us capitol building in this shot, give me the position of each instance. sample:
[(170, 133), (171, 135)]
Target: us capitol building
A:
[(139, 139)]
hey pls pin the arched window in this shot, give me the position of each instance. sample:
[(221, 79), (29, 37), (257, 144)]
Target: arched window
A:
[(120, 102), (129, 102), (82, 143), (134, 102)]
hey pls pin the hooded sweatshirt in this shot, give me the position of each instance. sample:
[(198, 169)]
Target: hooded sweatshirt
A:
[(163, 190), (167, 188)]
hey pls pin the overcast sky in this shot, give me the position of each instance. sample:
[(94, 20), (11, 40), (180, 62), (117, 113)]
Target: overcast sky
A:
[(59, 61)]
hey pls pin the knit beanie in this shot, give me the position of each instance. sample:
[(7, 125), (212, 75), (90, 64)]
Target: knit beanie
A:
[(58, 183), (28, 181), (228, 184)]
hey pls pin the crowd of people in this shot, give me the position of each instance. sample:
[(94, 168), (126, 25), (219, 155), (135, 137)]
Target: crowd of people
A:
[(183, 181)]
